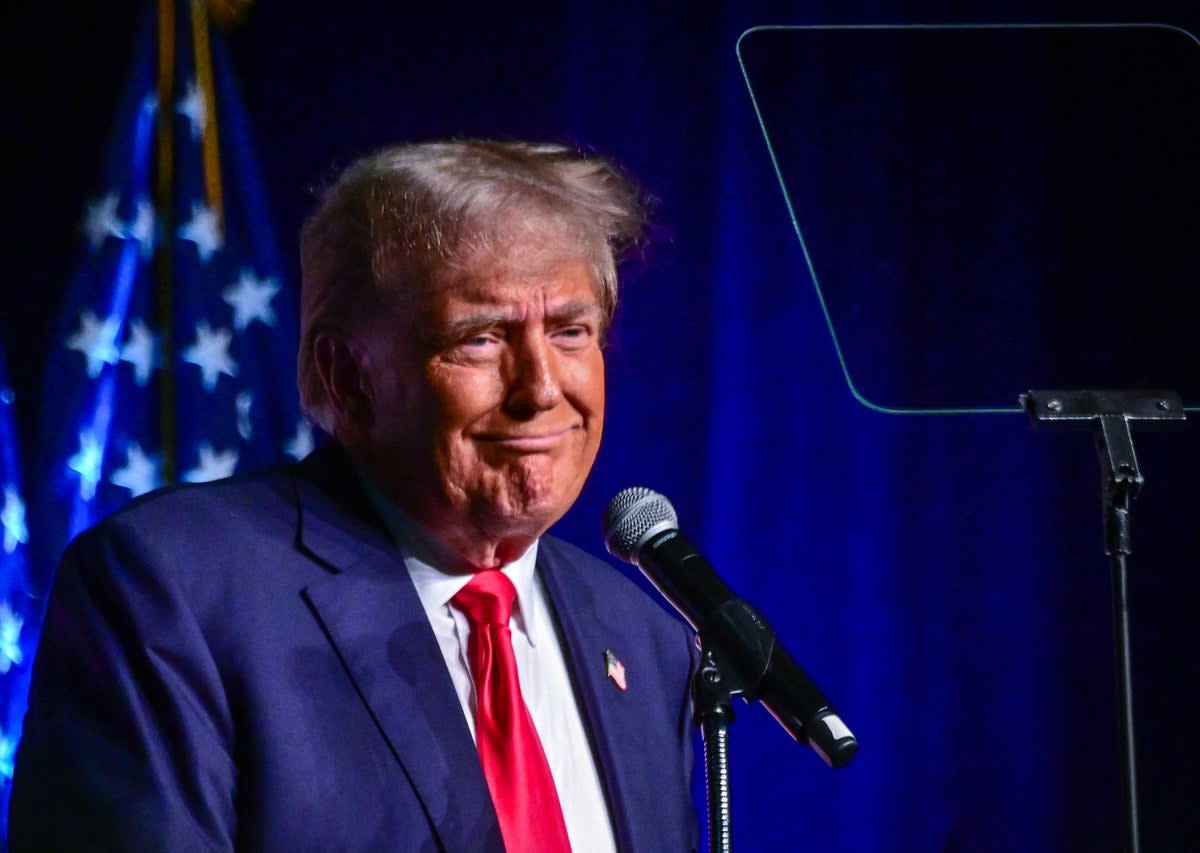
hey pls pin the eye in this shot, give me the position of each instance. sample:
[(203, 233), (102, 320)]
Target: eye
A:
[(477, 346), (573, 337)]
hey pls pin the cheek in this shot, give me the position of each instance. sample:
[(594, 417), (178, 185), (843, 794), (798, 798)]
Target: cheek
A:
[(583, 382), (458, 402), (459, 398)]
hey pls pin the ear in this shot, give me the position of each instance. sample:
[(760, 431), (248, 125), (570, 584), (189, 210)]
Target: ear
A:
[(341, 364)]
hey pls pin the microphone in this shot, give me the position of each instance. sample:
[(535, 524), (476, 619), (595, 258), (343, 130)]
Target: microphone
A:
[(641, 527)]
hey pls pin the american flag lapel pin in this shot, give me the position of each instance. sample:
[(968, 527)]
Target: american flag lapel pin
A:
[(614, 669)]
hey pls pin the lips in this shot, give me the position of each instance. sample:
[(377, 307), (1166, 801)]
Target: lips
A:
[(527, 442)]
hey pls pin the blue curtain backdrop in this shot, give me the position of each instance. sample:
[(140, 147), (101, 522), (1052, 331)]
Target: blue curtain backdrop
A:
[(942, 578)]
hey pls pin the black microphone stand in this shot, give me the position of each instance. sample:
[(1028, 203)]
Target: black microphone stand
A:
[(712, 710), (1109, 414)]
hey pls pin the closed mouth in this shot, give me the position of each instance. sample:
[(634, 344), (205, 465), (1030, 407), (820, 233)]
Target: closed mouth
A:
[(527, 442)]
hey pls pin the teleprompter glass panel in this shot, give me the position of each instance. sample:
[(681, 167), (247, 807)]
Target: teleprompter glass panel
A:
[(990, 209)]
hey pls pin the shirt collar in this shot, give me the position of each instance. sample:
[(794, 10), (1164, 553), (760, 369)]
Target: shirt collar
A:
[(429, 563)]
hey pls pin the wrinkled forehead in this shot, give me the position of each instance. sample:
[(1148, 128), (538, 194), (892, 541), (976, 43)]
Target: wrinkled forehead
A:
[(489, 268)]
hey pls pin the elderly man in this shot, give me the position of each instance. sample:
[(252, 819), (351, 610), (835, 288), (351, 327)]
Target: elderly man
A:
[(379, 648)]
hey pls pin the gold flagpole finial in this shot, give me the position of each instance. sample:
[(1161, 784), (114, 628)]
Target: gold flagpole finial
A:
[(228, 13)]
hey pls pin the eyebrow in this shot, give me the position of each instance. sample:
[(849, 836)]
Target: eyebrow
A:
[(576, 309)]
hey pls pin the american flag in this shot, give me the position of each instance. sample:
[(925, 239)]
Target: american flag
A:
[(175, 354), (17, 606)]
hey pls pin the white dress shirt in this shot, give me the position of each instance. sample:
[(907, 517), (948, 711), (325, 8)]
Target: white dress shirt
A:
[(541, 668)]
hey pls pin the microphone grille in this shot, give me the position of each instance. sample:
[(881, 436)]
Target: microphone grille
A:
[(632, 517)]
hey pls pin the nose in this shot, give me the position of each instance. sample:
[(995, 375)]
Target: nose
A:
[(533, 382)]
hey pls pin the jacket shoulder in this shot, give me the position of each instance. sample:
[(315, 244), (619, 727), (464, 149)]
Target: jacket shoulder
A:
[(624, 588), (193, 505)]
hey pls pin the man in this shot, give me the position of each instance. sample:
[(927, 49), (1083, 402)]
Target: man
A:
[(290, 661)]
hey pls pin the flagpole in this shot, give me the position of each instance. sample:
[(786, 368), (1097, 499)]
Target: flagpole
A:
[(204, 80), (164, 203)]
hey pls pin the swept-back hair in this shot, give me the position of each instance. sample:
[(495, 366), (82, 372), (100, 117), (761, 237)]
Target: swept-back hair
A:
[(395, 218)]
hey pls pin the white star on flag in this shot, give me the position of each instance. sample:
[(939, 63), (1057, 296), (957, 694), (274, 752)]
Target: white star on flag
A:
[(301, 444), (150, 103), (102, 222), (140, 473), (8, 748), (203, 229), (251, 300), (10, 638), (141, 227), (210, 353), (97, 341), (242, 403), (12, 517), (193, 108), (213, 465), (140, 350), (86, 463)]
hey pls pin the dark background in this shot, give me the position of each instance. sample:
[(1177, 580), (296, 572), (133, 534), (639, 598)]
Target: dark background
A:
[(942, 578)]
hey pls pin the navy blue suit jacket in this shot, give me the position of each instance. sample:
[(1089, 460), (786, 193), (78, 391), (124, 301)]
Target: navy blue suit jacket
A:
[(246, 665)]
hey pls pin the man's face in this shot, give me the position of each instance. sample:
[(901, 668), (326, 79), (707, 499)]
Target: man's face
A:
[(488, 398)]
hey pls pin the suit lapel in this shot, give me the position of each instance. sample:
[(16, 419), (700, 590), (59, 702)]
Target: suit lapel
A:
[(587, 630), (370, 611)]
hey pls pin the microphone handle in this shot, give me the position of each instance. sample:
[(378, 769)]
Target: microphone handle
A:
[(742, 638), (683, 577)]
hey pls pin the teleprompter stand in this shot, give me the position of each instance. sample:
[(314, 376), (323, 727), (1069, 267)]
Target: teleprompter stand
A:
[(1110, 414)]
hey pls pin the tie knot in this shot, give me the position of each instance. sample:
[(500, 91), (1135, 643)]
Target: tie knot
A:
[(487, 598)]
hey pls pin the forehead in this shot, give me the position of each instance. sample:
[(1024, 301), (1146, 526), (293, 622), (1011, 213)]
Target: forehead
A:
[(520, 282)]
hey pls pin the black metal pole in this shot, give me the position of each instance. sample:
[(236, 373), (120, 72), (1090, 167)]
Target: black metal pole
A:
[(1121, 484), (1125, 702), (712, 708), (716, 765), (1110, 414)]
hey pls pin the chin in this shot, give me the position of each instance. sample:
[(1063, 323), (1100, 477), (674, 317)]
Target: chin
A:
[(534, 511), (532, 506)]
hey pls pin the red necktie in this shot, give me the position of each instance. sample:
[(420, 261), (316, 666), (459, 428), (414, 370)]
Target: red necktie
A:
[(513, 762)]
